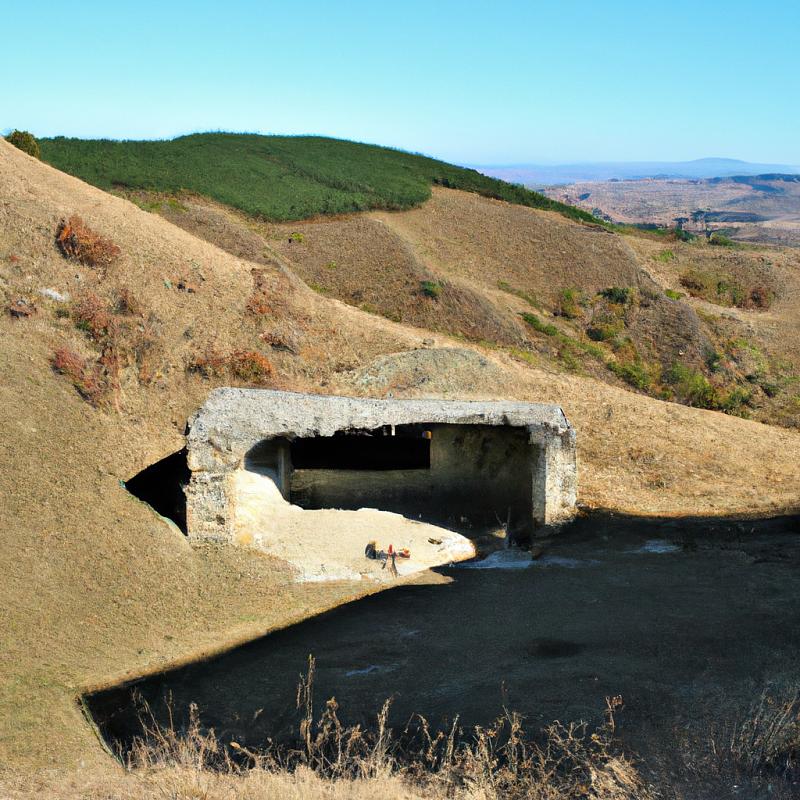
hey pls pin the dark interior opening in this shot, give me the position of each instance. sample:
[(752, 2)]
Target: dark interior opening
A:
[(469, 477), (161, 485), (383, 449)]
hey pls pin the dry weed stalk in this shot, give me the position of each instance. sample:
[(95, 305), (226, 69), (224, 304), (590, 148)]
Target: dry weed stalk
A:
[(768, 738), (497, 761)]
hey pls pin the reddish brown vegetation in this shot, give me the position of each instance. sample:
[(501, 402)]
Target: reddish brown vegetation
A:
[(247, 366), (79, 242), (92, 316), (279, 340), (760, 297), (125, 338), (89, 379), (269, 291), (21, 309), (127, 303)]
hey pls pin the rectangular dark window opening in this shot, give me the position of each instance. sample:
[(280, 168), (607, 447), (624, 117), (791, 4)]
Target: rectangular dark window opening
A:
[(361, 452)]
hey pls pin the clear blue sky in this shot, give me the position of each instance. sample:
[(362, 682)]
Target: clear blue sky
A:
[(471, 82)]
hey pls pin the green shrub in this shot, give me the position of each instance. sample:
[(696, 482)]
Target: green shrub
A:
[(673, 295), (692, 386), (431, 288), (26, 142), (724, 290), (635, 373), (713, 359), (720, 240), (619, 295), (731, 402), (664, 256), (604, 327), (539, 326), (570, 302)]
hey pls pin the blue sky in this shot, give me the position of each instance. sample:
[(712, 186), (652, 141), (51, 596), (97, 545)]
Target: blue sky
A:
[(471, 82)]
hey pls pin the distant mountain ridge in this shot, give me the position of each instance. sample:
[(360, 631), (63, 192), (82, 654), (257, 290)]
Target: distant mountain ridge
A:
[(549, 175)]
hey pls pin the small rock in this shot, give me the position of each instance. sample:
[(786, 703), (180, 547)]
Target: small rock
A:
[(53, 294)]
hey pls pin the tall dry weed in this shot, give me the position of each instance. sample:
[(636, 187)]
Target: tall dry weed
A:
[(561, 762)]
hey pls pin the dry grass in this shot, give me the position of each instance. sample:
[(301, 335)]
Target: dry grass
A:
[(562, 762), (77, 241), (466, 266), (768, 738), (756, 750)]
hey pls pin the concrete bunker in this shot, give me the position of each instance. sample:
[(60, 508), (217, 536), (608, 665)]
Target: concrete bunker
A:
[(259, 456)]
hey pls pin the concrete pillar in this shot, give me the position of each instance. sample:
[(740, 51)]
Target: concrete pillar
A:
[(554, 475)]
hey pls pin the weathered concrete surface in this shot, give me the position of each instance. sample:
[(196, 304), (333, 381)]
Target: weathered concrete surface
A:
[(329, 544), (239, 454)]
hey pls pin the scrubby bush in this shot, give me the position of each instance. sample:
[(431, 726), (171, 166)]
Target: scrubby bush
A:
[(692, 386), (431, 288), (569, 303), (760, 297), (24, 141), (77, 241), (720, 240), (93, 317), (605, 326), (664, 256), (247, 366), (725, 290), (673, 295), (250, 366), (635, 373), (620, 295), (88, 379)]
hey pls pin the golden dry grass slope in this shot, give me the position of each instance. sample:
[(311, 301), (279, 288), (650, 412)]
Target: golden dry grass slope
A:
[(95, 585)]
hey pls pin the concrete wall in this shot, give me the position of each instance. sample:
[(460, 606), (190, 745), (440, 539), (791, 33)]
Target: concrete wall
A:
[(472, 468)]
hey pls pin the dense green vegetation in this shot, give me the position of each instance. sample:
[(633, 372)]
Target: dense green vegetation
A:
[(280, 177), (24, 141)]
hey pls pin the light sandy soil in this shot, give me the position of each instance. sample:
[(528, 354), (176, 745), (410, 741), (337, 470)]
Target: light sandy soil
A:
[(96, 586)]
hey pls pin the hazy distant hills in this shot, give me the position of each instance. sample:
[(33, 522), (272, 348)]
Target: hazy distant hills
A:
[(548, 175), (754, 208)]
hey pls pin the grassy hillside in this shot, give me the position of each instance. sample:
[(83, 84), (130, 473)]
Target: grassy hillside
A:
[(95, 585), (280, 177)]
